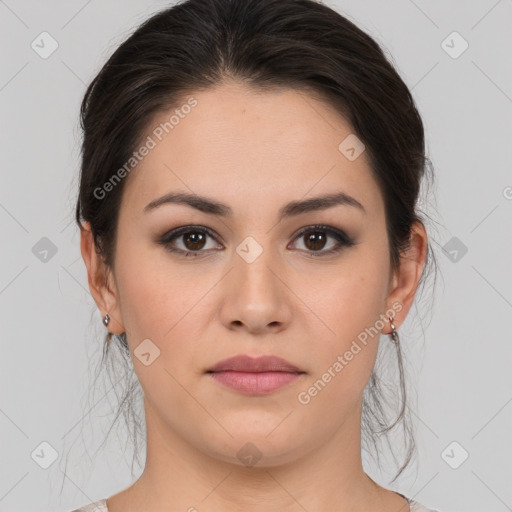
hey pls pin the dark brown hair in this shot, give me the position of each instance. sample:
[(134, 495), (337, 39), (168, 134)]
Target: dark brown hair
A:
[(301, 44)]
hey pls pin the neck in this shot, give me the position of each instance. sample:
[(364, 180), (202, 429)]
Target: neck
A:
[(327, 475)]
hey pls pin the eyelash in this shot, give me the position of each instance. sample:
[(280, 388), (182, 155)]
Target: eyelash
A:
[(342, 238)]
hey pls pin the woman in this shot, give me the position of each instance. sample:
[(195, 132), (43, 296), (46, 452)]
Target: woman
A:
[(247, 207)]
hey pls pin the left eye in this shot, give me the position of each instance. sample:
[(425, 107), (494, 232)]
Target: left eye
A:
[(315, 238)]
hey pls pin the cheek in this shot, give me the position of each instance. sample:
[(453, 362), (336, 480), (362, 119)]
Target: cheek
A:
[(162, 302), (149, 300), (350, 296), (349, 311)]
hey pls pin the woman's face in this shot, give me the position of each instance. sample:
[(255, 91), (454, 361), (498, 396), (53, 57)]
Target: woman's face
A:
[(251, 283)]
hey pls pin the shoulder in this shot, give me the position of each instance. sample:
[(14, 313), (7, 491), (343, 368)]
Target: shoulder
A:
[(418, 507), (97, 506)]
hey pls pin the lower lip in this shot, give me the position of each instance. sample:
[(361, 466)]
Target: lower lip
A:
[(253, 383)]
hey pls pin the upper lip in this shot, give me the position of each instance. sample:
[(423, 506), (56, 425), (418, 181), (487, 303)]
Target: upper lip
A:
[(245, 363)]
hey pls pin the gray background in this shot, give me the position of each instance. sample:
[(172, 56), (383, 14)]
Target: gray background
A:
[(50, 329)]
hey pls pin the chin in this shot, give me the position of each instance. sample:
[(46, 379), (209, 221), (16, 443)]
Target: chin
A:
[(258, 449)]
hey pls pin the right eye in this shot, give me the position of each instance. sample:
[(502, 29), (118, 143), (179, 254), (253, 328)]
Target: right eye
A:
[(192, 238)]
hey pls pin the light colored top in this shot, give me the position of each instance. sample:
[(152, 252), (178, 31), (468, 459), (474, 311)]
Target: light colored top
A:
[(101, 506)]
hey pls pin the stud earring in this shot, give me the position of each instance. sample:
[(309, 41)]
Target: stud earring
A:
[(106, 319)]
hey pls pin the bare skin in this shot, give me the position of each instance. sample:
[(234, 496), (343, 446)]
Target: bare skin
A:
[(253, 152)]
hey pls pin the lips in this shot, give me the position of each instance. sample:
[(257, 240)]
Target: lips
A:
[(255, 375), (248, 364)]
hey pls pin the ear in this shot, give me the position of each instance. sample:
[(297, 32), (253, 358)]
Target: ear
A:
[(101, 282), (405, 280)]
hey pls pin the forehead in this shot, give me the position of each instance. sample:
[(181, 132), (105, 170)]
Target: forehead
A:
[(249, 147)]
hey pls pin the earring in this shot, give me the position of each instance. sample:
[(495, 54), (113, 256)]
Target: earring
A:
[(106, 319), (394, 333)]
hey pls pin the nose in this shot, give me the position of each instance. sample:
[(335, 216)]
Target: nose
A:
[(255, 295)]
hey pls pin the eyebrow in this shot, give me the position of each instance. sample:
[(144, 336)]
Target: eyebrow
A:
[(293, 208)]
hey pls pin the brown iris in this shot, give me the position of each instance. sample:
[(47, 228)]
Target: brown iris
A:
[(315, 240), (194, 240)]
